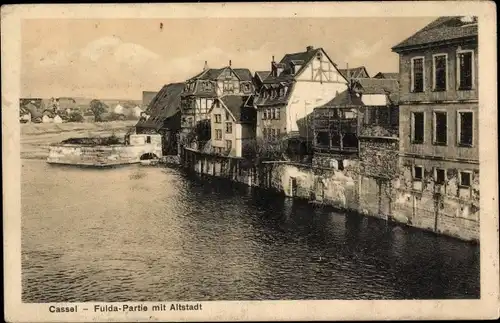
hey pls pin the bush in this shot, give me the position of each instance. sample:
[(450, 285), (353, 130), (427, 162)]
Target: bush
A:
[(94, 141), (263, 149), (75, 117)]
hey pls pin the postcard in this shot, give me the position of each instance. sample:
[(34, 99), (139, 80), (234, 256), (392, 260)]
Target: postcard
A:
[(250, 161)]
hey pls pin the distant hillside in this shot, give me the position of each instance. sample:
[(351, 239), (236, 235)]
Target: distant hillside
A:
[(81, 102)]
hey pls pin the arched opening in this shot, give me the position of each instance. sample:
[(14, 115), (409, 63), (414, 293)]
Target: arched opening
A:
[(148, 156)]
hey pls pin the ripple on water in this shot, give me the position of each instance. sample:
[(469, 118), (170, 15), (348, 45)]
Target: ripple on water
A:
[(155, 234)]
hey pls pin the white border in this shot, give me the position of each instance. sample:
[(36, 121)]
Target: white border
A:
[(486, 307)]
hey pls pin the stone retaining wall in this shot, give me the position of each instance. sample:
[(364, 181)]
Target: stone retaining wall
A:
[(98, 155), (348, 189)]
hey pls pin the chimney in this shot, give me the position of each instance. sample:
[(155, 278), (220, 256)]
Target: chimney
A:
[(206, 66), (229, 63), (309, 48), (274, 71)]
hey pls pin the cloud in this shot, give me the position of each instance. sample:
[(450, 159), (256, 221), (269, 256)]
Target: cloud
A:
[(362, 50), (105, 65), (110, 67)]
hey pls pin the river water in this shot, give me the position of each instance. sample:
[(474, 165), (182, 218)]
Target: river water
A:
[(154, 234)]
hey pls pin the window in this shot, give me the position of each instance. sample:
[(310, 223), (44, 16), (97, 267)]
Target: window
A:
[(277, 113), (229, 127), (229, 144), (418, 172), (273, 133), (264, 133), (417, 131), (440, 70), (440, 128), (218, 134), (417, 74), (277, 133), (465, 129), (370, 115), (264, 114), (148, 139), (439, 176), (465, 69), (228, 86), (465, 179), (217, 118)]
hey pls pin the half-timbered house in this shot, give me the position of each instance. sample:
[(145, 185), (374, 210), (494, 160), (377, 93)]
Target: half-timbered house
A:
[(199, 94), (295, 86)]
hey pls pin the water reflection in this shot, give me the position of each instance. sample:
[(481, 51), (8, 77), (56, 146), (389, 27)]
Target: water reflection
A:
[(157, 234)]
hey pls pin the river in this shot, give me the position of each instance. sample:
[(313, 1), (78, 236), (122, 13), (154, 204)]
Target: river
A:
[(155, 234)]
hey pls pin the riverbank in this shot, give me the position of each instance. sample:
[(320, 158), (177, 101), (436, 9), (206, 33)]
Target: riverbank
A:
[(36, 138), (349, 189)]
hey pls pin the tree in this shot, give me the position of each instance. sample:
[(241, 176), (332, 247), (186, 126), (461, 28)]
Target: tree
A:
[(264, 149), (97, 108), (75, 116)]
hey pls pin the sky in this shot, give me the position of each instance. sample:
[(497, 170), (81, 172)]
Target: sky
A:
[(120, 58)]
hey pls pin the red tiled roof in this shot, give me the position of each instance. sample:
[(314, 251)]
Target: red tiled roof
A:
[(441, 29)]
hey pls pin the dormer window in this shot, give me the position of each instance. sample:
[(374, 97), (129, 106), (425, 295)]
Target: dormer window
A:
[(318, 56)]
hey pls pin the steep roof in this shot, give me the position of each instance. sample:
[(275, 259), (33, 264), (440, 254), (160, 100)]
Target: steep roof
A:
[(345, 98), (262, 75), (440, 30), (236, 104), (278, 99), (389, 87), (243, 74), (382, 75), (355, 72), (164, 105), (301, 58)]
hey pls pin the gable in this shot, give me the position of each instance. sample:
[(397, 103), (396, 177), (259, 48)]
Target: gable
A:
[(320, 68), (227, 73)]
